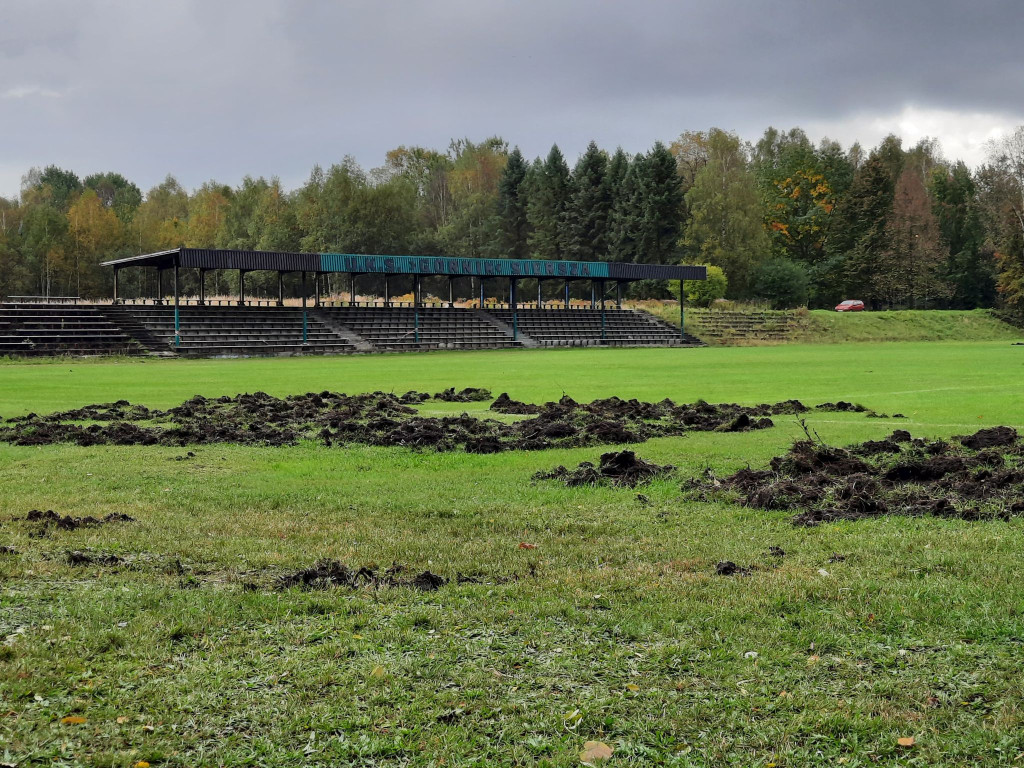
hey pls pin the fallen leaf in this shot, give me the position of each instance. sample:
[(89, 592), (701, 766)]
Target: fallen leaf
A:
[(632, 687), (72, 720), (148, 728), (121, 720), (377, 671), (142, 764), (524, 545), (906, 741), (594, 751)]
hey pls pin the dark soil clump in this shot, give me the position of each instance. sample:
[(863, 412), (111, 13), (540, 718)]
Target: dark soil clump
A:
[(979, 477), (328, 574), (505, 404), (68, 523), (467, 395), (81, 557), (621, 468), (994, 437), (729, 568)]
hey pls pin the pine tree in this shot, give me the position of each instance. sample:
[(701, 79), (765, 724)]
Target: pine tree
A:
[(660, 209), (969, 266), (512, 197), (624, 179), (589, 209), (550, 191)]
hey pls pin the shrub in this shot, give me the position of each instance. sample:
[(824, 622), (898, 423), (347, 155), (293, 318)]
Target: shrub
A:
[(703, 293), (782, 283)]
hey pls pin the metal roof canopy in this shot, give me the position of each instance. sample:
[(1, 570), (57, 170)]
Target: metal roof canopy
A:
[(249, 261)]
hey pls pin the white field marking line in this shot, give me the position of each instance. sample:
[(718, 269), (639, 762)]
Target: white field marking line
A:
[(906, 423), (934, 389)]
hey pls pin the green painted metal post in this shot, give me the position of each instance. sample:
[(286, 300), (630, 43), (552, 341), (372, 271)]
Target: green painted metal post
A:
[(177, 318), (417, 287), (515, 307), (305, 318), (682, 312), (604, 330)]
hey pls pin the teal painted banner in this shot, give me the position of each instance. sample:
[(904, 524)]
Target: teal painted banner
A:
[(443, 265)]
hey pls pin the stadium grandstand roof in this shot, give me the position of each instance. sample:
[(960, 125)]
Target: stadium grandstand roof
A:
[(250, 261)]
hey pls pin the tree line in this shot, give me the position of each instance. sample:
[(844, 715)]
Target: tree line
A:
[(784, 220)]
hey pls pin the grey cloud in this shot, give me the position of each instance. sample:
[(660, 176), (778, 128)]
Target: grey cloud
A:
[(219, 89)]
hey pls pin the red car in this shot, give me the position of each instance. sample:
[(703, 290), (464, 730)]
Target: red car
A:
[(850, 305)]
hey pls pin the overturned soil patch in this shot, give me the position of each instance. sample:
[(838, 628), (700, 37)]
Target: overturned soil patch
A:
[(331, 574), (973, 477), (467, 395), (621, 468), (380, 418), (67, 523)]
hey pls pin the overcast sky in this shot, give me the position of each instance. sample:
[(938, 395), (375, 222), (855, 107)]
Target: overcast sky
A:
[(222, 88)]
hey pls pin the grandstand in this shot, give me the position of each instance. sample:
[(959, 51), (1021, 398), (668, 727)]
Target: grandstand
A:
[(307, 323)]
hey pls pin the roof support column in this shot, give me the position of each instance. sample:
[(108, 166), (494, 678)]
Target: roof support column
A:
[(540, 294), (352, 289), (159, 286), (593, 294), (116, 273), (481, 279), (604, 329), (451, 291), (241, 287), (682, 312), (305, 319), (566, 294), (416, 299), (177, 316), (387, 291), (316, 289), (202, 286), (514, 304), (618, 294), (280, 288)]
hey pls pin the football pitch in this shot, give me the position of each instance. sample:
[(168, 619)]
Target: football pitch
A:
[(567, 615)]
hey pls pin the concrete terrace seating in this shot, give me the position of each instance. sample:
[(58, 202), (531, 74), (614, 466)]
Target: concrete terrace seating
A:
[(61, 329), (739, 326), (582, 327), (394, 328), (233, 331)]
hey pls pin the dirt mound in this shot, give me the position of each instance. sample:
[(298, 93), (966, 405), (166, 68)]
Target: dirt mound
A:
[(621, 468), (327, 574), (68, 523), (993, 437), (85, 557), (899, 475), (729, 568), (467, 395), (505, 404), (841, 406)]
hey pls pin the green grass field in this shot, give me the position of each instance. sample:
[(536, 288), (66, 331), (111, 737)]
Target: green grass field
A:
[(615, 628)]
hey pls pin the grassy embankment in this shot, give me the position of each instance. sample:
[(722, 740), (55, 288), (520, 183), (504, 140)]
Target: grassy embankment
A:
[(821, 326), (617, 629)]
